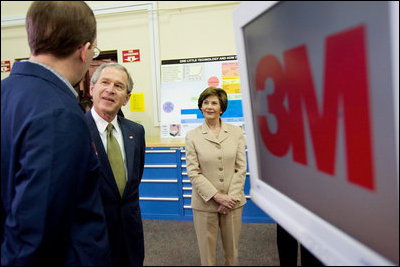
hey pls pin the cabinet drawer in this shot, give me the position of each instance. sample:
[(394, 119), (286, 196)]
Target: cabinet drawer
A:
[(159, 188), (252, 210), (161, 171), (159, 206), (247, 186), (161, 156), (187, 199), (187, 210)]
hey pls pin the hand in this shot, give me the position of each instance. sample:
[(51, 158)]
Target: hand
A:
[(225, 200), (223, 210)]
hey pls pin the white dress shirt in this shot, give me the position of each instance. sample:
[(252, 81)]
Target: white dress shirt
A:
[(102, 127)]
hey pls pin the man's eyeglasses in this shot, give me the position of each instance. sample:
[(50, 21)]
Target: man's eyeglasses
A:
[(96, 52)]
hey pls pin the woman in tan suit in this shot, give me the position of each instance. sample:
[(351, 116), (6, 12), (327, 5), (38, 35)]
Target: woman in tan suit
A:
[(216, 165)]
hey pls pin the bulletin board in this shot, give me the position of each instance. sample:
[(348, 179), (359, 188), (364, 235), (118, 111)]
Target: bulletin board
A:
[(183, 80)]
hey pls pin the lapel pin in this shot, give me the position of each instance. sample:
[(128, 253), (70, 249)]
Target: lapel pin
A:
[(130, 137)]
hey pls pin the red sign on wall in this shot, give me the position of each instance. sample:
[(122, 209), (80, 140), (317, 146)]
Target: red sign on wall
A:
[(5, 66), (131, 55)]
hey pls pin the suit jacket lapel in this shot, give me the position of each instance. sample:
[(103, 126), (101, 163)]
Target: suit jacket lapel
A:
[(129, 145), (102, 154), (207, 134), (223, 134)]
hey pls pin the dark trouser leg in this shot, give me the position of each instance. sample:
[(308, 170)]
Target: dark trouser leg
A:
[(287, 247), (308, 259)]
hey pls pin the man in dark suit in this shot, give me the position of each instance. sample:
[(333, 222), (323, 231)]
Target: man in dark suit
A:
[(51, 210), (120, 144)]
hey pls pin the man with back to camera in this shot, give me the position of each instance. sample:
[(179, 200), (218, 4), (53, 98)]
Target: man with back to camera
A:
[(120, 144), (51, 211)]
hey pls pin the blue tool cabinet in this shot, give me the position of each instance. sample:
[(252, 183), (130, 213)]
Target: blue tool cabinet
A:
[(165, 190)]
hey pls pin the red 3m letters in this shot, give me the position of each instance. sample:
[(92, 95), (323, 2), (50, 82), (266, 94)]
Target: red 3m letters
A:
[(345, 84)]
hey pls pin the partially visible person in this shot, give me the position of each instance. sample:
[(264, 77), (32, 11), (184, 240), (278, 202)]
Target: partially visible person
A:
[(83, 94), (122, 164), (216, 165), (288, 247), (50, 202)]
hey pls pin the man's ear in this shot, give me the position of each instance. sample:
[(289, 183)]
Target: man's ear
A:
[(83, 52), (127, 99), (91, 88)]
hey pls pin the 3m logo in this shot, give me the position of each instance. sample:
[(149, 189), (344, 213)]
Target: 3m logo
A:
[(345, 85)]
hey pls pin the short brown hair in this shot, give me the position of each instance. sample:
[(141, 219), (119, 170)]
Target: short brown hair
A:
[(59, 27), (220, 93)]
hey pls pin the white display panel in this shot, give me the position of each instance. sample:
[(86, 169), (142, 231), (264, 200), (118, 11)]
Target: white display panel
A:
[(318, 81)]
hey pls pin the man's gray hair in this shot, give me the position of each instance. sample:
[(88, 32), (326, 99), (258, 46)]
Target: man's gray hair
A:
[(96, 74)]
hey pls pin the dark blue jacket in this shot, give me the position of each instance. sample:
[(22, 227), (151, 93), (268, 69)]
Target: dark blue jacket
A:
[(51, 211), (124, 222)]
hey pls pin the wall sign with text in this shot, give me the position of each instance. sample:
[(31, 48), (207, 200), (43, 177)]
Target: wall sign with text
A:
[(183, 80), (5, 66), (131, 55)]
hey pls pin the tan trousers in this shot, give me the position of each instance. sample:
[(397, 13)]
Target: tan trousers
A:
[(207, 225)]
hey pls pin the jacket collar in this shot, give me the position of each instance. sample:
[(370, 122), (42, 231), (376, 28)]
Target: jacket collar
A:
[(207, 133), (38, 70), (62, 78)]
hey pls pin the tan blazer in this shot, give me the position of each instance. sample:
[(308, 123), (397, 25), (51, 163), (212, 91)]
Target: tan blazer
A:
[(216, 165)]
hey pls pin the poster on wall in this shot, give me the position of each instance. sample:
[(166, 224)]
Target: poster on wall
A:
[(183, 80)]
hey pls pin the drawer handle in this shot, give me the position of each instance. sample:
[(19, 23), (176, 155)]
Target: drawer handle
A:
[(160, 166), (159, 181), (160, 198), (160, 151), (187, 196)]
